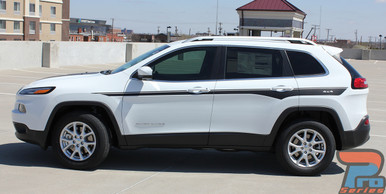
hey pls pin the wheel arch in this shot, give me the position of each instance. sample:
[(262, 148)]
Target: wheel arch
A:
[(99, 109), (327, 116)]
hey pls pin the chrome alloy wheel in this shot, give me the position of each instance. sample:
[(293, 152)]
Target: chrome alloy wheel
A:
[(306, 148), (77, 141)]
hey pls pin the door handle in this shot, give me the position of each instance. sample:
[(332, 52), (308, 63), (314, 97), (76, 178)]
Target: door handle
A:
[(282, 88), (198, 90)]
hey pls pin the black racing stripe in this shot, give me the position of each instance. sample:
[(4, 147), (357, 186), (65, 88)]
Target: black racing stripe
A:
[(268, 93), (323, 91)]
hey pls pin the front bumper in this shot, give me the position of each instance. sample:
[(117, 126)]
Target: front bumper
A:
[(30, 136), (357, 137)]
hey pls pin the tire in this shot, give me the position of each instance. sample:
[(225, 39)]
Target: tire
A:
[(305, 156), (83, 148)]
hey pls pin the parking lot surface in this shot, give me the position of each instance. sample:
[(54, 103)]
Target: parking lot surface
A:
[(26, 168)]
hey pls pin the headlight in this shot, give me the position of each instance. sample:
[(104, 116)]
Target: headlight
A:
[(37, 91)]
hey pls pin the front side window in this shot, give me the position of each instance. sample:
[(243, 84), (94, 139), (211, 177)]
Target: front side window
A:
[(53, 11), (32, 8), (254, 63), (189, 64), (32, 27), (16, 7), (304, 64), (40, 10), (16, 26)]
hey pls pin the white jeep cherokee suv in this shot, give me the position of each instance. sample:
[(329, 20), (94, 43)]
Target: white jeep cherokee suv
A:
[(291, 96)]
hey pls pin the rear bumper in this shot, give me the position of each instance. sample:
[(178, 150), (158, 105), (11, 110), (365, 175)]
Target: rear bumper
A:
[(357, 137), (30, 136)]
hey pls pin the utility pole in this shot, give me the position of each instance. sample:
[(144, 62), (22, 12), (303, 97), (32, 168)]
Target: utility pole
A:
[(356, 36), (190, 30), (380, 41), (112, 30), (328, 33), (220, 29), (320, 23), (208, 31), (216, 17), (176, 30), (158, 30)]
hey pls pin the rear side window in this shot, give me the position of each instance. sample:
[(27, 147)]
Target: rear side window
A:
[(304, 64), (254, 63)]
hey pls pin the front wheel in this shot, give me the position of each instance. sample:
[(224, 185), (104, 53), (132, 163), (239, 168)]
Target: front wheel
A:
[(305, 148), (80, 140)]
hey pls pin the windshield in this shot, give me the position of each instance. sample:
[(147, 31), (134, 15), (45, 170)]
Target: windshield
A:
[(140, 58)]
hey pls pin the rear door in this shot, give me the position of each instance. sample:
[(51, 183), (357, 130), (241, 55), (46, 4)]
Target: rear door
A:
[(258, 86)]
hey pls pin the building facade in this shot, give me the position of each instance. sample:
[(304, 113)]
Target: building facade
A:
[(274, 16), (34, 20)]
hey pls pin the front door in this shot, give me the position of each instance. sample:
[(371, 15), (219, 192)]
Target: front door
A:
[(174, 107)]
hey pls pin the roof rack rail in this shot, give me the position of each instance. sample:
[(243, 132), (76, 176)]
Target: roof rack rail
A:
[(249, 38)]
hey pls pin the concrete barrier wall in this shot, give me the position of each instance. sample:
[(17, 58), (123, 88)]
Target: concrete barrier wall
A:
[(86, 53), (352, 53), (378, 55), (364, 54), (15, 54), (137, 49)]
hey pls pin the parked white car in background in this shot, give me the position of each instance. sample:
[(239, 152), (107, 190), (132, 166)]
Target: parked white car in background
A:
[(291, 96)]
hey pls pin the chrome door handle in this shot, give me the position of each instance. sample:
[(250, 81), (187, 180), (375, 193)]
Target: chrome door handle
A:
[(199, 90), (282, 88)]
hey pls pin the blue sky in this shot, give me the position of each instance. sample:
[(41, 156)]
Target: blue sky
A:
[(144, 16)]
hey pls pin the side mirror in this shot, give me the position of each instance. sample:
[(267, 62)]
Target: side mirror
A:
[(145, 73)]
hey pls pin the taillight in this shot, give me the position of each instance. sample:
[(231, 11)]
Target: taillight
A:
[(360, 83), (367, 122)]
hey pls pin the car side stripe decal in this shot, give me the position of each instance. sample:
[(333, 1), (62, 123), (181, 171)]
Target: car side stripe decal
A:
[(266, 92)]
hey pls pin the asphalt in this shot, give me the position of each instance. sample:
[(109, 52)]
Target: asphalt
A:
[(25, 168)]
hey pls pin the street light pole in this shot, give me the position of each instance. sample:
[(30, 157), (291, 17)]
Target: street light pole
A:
[(380, 42), (168, 33), (216, 17)]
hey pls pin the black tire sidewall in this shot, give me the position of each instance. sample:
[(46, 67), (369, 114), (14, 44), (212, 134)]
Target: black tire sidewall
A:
[(102, 140), (282, 146)]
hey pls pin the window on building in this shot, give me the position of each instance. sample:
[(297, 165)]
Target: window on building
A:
[(52, 28), (40, 28), (2, 25), (16, 7), (304, 64), (32, 27), (40, 10), (32, 8), (16, 26), (254, 63), (3, 5), (53, 11)]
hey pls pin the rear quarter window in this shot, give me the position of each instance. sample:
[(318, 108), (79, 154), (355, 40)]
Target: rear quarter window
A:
[(304, 64)]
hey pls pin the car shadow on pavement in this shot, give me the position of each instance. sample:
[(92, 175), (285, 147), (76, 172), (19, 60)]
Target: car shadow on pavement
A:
[(164, 160)]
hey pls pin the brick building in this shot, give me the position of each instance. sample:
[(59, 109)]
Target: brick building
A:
[(34, 20)]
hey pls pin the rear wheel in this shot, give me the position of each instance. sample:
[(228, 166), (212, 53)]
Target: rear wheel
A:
[(80, 140), (305, 148)]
